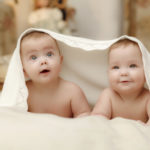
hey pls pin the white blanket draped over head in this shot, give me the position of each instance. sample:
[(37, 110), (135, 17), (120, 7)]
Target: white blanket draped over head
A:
[(85, 63)]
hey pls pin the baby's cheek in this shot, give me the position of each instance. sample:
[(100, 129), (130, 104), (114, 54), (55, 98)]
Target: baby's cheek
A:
[(139, 75), (55, 63), (112, 76)]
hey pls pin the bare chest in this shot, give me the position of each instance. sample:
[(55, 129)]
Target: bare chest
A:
[(56, 104), (131, 110)]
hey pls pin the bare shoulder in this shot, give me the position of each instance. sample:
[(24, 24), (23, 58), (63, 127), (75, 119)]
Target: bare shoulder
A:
[(107, 92), (70, 86), (103, 105), (105, 96)]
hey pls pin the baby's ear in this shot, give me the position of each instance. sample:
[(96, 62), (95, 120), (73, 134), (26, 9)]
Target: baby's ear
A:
[(61, 59), (25, 74)]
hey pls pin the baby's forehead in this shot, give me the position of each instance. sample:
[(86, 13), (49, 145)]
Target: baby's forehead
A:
[(125, 51), (36, 35), (121, 45), (129, 51), (123, 42)]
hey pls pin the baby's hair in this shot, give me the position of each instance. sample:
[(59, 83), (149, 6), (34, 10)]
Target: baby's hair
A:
[(34, 34), (123, 42), (37, 34)]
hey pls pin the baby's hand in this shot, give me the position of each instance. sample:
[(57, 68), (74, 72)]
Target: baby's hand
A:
[(141, 122), (148, 123), (84, 114)]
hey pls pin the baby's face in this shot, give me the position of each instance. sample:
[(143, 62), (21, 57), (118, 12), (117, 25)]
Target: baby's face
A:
[(41, 59), (126, 71)]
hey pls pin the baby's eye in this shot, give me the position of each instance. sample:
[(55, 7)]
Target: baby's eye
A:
[(49, 54), (133, 66), (115, 67), (33, 57)]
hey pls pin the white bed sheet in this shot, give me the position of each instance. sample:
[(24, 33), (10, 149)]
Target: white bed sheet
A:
[(26, 131)]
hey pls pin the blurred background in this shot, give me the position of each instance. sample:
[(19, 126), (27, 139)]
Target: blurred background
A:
[(94, 19)]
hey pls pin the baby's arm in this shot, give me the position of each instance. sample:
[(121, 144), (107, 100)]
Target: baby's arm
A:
[(103, 105), (79, 103)]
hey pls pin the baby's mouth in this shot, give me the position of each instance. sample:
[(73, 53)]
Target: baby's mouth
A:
[(125, 81), (45, 71)]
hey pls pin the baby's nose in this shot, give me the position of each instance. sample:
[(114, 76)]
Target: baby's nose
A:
[(124, 72), (43, 61)]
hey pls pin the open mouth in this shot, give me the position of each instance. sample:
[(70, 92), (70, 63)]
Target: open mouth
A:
[(45, 71)]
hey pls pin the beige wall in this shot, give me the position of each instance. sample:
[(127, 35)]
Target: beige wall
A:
[(97, 19), (22, 10)]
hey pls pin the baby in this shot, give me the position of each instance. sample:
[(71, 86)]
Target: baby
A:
[(126, 96), (48, 93)]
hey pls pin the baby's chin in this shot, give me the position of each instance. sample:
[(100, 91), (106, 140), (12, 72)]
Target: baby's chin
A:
[(123, 90), (44, 81)]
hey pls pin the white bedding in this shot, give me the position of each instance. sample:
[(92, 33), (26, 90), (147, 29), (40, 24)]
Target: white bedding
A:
[(85, 63), (25, 131)]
